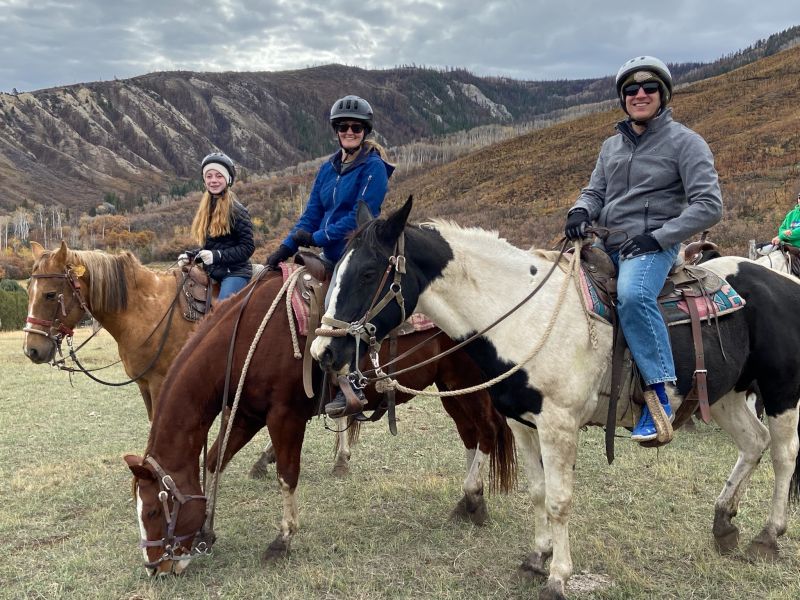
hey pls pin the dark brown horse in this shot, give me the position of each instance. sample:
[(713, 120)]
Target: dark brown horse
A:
[(273, 394)]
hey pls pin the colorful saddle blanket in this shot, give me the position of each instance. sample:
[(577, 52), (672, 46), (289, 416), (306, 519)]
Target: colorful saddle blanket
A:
[(675, 311), (300, 307)]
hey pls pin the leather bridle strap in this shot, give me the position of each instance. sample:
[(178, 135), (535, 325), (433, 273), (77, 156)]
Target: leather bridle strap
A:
[(170, 542)]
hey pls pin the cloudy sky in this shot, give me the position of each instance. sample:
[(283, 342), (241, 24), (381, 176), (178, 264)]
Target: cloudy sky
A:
[(46, 43)]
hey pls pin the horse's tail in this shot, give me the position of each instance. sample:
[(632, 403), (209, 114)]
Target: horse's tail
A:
[(794, 485), (353, 433), (503, 458)]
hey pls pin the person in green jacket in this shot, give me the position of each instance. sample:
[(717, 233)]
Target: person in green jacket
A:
[(789, 231)]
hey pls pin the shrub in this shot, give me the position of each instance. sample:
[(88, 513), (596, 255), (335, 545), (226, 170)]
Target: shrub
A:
[(13, 308)]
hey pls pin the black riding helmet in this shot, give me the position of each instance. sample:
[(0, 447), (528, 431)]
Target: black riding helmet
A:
[(220, 158)]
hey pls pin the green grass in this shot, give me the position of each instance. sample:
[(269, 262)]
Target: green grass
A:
[(67, 525)]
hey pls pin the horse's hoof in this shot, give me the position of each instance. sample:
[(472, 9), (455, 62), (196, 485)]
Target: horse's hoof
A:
[(726, 539), (534, 567), (763, 548), (260, 468), (474, 512), (341, 469), (553, 590), (277, 550)]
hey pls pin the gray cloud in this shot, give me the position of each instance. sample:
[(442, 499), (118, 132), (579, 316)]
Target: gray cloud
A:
[(58, 42)]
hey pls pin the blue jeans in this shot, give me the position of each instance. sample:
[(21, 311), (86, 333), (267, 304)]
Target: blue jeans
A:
[(639, 281), (230, 285)]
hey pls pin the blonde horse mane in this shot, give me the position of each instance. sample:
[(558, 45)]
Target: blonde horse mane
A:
[(108, 286)]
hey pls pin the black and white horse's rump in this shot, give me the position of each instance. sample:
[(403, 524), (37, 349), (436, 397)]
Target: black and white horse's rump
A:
[(463, 279)]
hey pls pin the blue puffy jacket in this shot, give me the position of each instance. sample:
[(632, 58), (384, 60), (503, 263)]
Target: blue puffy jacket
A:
[(331, 210)]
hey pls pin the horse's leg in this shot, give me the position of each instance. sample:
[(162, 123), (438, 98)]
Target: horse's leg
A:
[(783, 448), (260, 468), (144, 390), (286, 429), (241, 432), (341, 461), (751, 438), (558, 441), (527, 440), (472, 506)]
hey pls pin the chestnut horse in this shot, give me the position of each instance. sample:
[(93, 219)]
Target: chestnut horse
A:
[(273, 394), (133, 303)]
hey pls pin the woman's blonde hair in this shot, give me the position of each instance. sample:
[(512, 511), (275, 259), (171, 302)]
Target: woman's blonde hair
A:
[(369, 144), (213, 224)]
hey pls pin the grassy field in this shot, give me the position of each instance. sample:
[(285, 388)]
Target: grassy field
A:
[(640, 528)]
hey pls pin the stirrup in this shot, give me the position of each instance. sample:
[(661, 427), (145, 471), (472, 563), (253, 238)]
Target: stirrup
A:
[(346, 403)]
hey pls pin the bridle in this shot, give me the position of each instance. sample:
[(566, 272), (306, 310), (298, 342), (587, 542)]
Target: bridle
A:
[(56, 329), (168, 490), (363, 330)]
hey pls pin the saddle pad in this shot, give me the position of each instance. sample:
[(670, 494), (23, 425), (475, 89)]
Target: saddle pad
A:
[(300, 307), (676, 312), (725, 300)]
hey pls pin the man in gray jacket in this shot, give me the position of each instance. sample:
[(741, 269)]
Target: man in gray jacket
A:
[(655, 182)]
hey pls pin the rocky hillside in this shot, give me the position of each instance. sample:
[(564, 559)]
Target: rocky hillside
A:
[(523, 187), (134, 138)]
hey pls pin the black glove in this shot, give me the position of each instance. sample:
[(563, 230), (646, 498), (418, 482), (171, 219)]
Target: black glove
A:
[(303, 238), (280, 255), (644, 243), (577, 222)]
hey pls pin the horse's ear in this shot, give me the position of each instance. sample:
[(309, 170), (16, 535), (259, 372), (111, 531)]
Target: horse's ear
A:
[(61, 254), (134, 463), (398, 219), (363, 214), (37, 249)]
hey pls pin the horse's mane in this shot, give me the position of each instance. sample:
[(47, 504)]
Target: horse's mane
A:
[(106, 272)]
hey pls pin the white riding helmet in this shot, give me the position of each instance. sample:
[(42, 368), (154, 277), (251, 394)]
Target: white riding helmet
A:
[(646, 63)]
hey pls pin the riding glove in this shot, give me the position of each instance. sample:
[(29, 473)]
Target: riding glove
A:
[(183, 260), (303, 238), (638, 245), (207, 256), (280, 255), (577, 222)]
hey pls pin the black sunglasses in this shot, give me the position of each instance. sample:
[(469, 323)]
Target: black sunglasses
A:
[(354, 127), (651, 87)]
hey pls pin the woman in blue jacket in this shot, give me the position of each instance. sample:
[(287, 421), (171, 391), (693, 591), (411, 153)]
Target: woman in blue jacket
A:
[(358, 171)]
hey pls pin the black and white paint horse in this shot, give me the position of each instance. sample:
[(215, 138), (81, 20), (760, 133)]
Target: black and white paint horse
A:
[(463, 279)]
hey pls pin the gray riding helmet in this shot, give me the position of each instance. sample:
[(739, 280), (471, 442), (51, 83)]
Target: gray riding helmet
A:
[(352, 107)]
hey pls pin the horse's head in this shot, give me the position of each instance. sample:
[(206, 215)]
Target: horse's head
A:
[(170, 517), (56, 301), (371, 292)]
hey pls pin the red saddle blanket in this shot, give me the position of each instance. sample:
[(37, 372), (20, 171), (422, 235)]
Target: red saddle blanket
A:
[(300, 307)]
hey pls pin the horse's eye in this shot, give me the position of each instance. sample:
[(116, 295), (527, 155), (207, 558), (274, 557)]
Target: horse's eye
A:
[(50, 296), (152, 513)]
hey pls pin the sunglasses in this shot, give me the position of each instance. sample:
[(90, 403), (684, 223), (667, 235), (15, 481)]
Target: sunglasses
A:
[(651, 87), (354, 127)]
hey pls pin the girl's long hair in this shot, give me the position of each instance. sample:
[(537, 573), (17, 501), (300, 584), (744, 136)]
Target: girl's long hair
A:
[(213, 224)]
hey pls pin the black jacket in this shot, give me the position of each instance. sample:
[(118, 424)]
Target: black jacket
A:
[(232, 252)]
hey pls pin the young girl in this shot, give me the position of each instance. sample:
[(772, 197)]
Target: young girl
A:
[(222, 228)]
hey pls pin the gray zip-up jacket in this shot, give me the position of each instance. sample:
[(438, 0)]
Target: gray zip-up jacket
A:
[(662, 182)]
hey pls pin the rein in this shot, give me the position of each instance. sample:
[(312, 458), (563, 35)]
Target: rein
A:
[(206, 534)]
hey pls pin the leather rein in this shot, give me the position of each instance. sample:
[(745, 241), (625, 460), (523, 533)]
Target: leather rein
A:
[(363, 330)]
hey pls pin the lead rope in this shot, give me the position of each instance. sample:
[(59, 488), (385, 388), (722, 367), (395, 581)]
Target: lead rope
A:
[(287, 288), (574, 266)]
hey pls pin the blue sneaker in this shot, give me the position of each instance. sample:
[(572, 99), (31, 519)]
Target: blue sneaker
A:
[(645, 429)]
